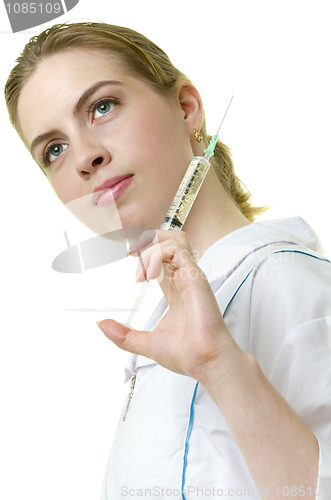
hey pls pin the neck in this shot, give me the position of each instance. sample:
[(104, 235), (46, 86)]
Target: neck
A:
[(213, 216)]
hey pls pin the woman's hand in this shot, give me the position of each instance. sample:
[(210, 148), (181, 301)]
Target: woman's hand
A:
[(192, 336)]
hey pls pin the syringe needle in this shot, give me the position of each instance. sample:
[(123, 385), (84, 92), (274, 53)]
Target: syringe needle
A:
[(141, 294), (227, 109)]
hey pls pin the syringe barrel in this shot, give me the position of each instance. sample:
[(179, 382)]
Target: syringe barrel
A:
[(186, 194)]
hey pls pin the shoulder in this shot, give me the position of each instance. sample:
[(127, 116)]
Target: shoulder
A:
[(290, 310), (289, 277)]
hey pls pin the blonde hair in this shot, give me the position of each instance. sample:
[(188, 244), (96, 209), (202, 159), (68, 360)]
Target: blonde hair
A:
[(142, 58)]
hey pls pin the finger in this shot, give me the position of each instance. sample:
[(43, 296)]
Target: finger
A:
[(170, 255), (146, 239), (150, 240), (134, 341), (172, 252), (152, 260), (142, 269), (155, 266), (150, 264)]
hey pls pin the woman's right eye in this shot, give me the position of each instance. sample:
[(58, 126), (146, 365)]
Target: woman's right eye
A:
[(52, 152)]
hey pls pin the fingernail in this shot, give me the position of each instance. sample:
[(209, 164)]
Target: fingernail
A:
[(145, 277), (133, 248), (98, 322)]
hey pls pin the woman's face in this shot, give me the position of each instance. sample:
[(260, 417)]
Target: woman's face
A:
[(106, 136)]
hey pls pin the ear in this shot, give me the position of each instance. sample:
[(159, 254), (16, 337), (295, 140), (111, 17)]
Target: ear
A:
[(191, 105)]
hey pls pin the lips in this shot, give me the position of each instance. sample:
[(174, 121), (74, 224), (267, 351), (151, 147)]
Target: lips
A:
[(110, 189)]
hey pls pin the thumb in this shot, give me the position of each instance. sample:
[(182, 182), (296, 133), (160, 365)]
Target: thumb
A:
[(134, 341)]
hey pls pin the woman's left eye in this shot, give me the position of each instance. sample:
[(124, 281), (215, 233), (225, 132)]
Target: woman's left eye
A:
[(103, 107)]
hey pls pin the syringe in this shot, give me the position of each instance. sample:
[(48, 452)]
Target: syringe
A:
[(183, 200), (190, 185)]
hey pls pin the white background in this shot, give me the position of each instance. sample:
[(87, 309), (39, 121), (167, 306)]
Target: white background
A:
[(61, 379)]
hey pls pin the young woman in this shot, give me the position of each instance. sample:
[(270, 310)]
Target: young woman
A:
[(232, 372)]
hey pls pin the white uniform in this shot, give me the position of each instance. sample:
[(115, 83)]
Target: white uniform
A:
[(276, 300)]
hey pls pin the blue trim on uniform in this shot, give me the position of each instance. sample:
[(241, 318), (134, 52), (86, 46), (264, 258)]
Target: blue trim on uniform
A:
[(188, 435), (189, 429), (276, 251), (303, 253), (235, 293)]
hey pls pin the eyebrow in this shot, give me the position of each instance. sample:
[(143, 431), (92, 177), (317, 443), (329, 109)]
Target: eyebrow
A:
[(81, 101), (87, 94)]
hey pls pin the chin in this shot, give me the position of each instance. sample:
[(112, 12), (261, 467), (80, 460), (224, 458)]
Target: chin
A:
[(134, 218)]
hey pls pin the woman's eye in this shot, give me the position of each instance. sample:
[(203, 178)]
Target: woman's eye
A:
[(53, 152), (103, 107)]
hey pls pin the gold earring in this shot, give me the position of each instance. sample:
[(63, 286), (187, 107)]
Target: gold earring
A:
[(197, 135)]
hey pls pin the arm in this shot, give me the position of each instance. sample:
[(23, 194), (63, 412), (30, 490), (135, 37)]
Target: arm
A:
[(192, 338), (279, 448)]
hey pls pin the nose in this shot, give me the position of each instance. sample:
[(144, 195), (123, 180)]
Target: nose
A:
[(90, 155)]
